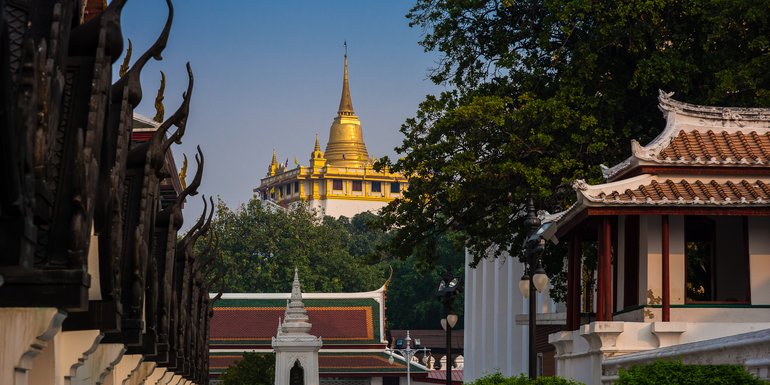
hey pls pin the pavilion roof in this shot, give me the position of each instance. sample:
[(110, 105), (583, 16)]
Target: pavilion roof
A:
[(649, 189), (707, 159), (702, 136)]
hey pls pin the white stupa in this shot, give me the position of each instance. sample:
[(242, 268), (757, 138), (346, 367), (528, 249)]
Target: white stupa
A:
[(296, 350)]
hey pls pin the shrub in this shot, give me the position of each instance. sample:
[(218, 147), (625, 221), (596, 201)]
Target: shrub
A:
[(499, 379), (677, 373)]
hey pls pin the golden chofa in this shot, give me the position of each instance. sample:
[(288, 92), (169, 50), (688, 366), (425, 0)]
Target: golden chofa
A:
[(346, 147)]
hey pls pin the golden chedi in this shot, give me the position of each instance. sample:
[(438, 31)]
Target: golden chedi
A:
[(340, 181)]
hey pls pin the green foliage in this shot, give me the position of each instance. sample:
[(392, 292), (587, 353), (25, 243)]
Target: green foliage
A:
[(544, 91), (499, 379), (676, 373), (252, 369), (260, 246), (412, 301)]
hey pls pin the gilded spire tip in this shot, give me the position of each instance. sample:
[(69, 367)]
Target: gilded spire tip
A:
[(346, 103)]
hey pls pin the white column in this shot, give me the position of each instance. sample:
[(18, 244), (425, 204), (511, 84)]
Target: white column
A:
[(510, 316), (24, 333), (489, 318), (166, 379), (138, 376), (123, 369), (485, 338), (43, 370), (73, 350), (495, 330), (155, 376), (99, 365), (470, 314)]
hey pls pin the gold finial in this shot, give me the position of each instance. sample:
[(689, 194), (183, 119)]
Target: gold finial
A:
[(159, 110), (126, 60), (183, 172), (345, 146), (273, 168), (317, 147), (296, 162), (346, 103)]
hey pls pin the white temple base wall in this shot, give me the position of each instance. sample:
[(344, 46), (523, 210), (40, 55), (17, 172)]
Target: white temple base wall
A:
[(582, 354), (25, 334)]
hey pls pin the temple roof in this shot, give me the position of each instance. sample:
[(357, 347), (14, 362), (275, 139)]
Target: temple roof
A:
[(712, 158), (649, 189), (342, 319), (350, 324), (702, 136)]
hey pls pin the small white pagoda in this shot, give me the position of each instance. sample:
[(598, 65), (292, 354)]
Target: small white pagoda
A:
[(296, 350)]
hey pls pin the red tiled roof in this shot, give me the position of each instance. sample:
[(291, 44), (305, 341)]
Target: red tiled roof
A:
[(352, 324), (652, 190), (718, 147), (338, 321), (703, 136)]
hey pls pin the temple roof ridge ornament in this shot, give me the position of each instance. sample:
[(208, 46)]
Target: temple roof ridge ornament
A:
[(697, 135), (667, 104), (295, 320)]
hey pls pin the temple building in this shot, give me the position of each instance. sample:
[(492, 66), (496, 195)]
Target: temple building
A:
[(340, 181), (336, 338), (683, 254), (679, 230)]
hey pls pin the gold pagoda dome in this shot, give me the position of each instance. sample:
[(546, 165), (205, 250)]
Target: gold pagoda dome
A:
[(346, 147)]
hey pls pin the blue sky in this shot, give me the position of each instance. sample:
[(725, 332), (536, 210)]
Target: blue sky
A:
[(268, 74)]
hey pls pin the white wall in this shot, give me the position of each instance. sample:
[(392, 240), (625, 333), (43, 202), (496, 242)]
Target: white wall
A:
[(493, 342), (759, 260)]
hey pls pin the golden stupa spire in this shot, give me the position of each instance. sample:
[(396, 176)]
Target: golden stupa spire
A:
[(346, 103), (317, 146), (271, 170), (346, 147)]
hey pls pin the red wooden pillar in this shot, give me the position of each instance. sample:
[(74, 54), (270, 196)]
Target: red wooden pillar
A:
[(604, 295), (577, 269), (665, 269), (571, 284)]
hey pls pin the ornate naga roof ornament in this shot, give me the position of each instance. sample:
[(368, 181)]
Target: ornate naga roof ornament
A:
[(159, 109), (126, 59)]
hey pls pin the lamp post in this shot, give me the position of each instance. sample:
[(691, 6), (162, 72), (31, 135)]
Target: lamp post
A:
[(407, 352), (448, 288), (533, 247)]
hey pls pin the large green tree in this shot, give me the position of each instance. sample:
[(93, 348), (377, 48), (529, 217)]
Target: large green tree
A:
[(544, 91), (259, 246)]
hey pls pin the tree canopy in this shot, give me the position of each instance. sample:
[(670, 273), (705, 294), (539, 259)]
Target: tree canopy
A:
[(544, 91), (251, 369), (259, 245)]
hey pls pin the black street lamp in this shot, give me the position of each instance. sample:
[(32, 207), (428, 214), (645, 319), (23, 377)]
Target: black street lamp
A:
[(533, 247), (448, 288)]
